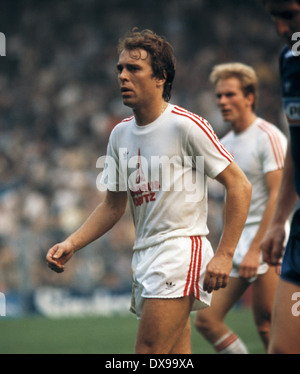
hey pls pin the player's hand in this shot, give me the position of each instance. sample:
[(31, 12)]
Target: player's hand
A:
[(217, 273), (58, 255), (272, 245), (249, 265)]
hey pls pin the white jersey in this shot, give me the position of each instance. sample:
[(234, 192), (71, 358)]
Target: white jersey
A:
[(163, 166), (260, 149)]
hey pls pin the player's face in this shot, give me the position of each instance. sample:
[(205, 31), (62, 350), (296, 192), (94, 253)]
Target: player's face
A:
[(137, 82), (286, 16), (232, 102)]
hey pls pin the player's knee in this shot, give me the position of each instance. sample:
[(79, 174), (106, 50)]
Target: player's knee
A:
[(263, 329), (264, 333), (277, 349), (263, 323), (203, 323), (280, 346), (145, 347)]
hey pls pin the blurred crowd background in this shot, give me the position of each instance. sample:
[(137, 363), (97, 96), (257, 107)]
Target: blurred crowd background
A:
[(59, 100)]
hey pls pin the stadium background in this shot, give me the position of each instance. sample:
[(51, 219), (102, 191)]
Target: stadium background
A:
[(59, 101)]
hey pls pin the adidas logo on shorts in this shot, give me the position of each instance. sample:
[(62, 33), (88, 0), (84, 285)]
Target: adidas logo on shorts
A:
[(170, 285)]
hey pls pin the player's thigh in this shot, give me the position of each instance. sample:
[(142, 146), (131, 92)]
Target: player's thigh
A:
[(183, 344), (285, 332), (223, 300), (162, 323), (263, 294)]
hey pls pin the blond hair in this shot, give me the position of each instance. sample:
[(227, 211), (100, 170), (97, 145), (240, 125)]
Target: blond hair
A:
[(244, 73)]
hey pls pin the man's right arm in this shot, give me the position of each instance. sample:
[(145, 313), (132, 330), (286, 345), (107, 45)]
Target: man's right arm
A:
[(101, 220), (238, 196)]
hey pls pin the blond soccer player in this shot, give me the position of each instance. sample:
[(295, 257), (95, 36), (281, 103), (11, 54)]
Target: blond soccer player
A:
[(259, 149)]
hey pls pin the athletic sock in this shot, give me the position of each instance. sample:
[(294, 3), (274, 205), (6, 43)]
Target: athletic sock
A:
[(230, 344)]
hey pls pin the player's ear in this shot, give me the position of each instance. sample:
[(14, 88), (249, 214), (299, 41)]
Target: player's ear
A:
[(162, 81), (251, 98)]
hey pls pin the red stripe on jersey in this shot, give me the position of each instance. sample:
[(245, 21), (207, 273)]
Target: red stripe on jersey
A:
[(192, 280), (127, 119), (206, 127), (278, 150)]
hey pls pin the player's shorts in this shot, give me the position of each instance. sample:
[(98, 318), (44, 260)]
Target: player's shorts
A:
[(241, 250), (171, 269), (290, 269)]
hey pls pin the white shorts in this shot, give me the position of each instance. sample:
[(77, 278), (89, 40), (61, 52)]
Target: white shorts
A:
[(242, 248), (171, 269)]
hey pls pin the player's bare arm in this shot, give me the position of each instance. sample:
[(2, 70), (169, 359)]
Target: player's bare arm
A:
[(251, 261), (238, 196), (273, 243), (101, 220)]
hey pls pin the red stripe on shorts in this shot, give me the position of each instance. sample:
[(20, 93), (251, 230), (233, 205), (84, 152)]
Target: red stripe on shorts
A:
[(192, 280)]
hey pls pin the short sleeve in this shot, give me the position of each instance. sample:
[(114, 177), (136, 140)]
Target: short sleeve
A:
[(202, 141), (273, 146)]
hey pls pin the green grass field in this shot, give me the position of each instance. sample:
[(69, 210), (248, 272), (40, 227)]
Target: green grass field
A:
[(104, 335)]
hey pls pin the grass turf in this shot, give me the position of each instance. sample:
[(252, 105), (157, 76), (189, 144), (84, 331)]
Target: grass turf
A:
[(102, 335)]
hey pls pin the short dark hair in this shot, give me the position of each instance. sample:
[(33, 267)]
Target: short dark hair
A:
[(161, 53)]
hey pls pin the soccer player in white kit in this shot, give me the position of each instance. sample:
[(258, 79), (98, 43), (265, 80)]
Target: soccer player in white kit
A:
[(151, 161), (259, 148)]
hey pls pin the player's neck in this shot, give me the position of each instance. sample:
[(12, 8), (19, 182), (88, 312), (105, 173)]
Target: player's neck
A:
[(148, 114), (243, 123)]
